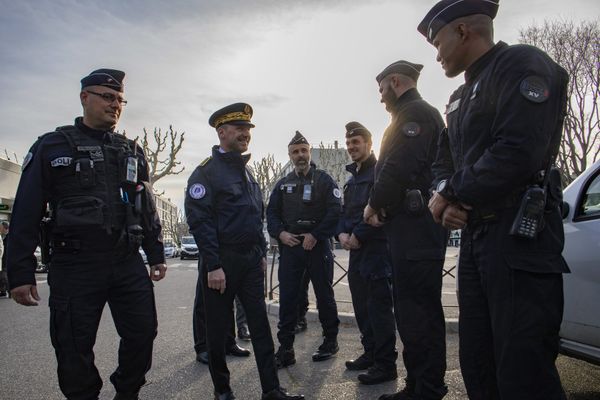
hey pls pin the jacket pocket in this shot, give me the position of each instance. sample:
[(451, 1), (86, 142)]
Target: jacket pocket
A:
[(541, 263), (80, 211)]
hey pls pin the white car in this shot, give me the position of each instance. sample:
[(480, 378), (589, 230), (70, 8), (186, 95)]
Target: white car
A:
[(170, 250), (189, 249), (580, 329)]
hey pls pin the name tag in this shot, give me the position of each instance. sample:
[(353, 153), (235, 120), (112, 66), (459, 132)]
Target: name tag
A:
[(452, 106)]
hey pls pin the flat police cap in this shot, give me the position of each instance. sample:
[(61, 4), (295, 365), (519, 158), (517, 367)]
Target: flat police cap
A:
[(110, 78), (234, 114), (357, 129), (447, 11), (298, 139), (403, 68)]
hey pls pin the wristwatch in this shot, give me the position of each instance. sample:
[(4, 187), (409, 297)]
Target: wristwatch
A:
[(445, 190)]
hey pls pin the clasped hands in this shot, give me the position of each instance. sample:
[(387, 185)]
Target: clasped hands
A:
[(450, 215)]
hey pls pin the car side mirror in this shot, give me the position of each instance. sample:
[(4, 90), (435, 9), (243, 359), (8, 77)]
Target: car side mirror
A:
[(564, 209)]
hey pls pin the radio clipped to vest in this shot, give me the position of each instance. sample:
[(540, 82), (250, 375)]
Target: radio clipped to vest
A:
[(530, 216)]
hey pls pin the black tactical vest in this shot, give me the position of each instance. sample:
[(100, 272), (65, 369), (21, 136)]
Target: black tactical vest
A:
[(90, 193), (299, 211)]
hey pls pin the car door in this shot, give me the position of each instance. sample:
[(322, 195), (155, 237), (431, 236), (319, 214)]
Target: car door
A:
[(580, 329)]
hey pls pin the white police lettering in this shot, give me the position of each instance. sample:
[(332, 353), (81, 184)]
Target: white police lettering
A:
[(61, 162), (337, 193), (535, 89), (197, 191)]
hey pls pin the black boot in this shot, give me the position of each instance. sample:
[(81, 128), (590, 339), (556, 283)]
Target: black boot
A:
[(281, 394), (376, 375), (224, 396), (408, 393), (361, 363), (244, 333), (327, 350), (285, 357), (202, 357)]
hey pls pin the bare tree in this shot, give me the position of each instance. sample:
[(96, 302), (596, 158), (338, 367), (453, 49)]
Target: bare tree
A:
[(176, 227), (333, 160), (267, 171), (161, 150), (577, 49)]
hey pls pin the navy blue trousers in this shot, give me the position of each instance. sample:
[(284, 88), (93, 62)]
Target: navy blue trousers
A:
[(80, 286), (318, 263)]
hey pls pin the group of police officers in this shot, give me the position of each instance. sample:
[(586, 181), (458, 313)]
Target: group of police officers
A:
[(488, 173)]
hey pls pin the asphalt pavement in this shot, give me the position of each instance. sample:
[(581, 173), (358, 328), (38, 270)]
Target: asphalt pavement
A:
[(28, 366)]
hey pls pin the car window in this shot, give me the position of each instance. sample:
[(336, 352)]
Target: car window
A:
[(590, 201)]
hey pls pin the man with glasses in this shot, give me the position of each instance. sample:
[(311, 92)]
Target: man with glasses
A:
[(90, 187)]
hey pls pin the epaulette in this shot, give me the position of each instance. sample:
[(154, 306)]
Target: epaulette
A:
[(205, 161)]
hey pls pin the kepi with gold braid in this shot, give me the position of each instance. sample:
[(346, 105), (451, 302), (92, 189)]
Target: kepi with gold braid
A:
[(234, 114)]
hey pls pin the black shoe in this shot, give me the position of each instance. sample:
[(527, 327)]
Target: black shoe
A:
[(301, 326), (244, 333), (377, 375), (408, 393), (284, 357), (238, 351), (281, 394), (361, 363), (224, 396), (326, 350), (202, 357), (126, 396)]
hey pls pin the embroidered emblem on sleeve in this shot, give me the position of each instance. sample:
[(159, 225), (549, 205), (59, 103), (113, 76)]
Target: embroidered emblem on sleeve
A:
[(197, 191)]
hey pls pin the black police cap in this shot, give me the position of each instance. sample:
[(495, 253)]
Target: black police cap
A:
[(401, 67), (357, 129), (298, 139), (447, 11), (234, 114), (110, 78)]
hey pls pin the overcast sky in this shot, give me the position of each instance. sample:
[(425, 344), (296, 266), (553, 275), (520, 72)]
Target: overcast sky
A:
[(303, 65)]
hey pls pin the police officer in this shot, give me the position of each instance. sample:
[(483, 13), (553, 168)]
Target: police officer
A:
[(224, 210), (95, 183), (370, 268), (495, 181), (302, 215), (417, 244)]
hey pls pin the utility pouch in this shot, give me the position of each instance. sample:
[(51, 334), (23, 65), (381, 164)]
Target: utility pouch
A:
[(529, 220), (84, 169), (80, 212), (414, 204)]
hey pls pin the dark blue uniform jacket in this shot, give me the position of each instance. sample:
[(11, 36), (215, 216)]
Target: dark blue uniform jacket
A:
[(372, 259), (501, 123), (224, 207)]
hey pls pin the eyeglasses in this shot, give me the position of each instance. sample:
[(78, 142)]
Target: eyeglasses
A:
[(109, 97)]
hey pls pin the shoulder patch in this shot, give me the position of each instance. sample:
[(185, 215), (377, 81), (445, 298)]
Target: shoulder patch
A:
[(197, 191), (205, 161), (535, 89), (27, 160), (411, 129)]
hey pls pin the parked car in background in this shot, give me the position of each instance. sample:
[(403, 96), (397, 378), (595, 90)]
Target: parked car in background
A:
[(41, 267), (189, 249), (170, 250), (580, 329)]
